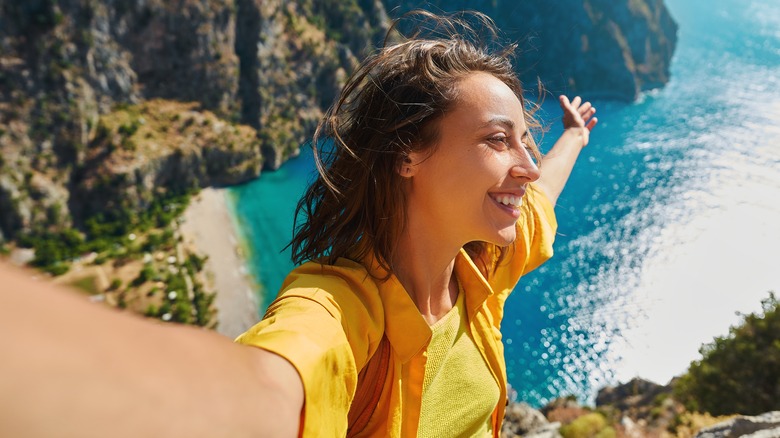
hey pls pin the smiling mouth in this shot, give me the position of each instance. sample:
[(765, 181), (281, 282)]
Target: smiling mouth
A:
[(511, 201)]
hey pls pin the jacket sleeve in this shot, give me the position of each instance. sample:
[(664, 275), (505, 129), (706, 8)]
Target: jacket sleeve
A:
[(325, 328)]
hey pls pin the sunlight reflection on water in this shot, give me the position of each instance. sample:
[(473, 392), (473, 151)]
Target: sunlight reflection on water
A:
[(668, 229)]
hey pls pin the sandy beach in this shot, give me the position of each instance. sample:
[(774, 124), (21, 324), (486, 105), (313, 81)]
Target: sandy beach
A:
[(208, 228)]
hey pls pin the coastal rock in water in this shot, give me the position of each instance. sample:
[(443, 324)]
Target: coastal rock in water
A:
[(766, 425)]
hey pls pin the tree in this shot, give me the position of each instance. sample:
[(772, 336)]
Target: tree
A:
[(740, 372)]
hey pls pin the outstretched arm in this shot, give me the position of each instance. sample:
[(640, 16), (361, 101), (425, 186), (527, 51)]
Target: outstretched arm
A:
[(73, 368), (557, 164)]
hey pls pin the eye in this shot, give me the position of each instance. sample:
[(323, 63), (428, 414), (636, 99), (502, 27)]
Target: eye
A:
[(499, 141)]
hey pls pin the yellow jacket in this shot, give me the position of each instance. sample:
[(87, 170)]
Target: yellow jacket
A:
[(328, 321)]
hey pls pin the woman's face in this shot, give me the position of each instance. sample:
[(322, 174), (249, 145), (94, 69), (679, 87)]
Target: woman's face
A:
[(471, 187)]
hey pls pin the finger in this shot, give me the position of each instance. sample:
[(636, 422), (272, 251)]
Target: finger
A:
[(576, 102), (564, 101), (584, 108), (592, 123)]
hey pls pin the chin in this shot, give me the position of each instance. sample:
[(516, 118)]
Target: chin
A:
[(505, 237)]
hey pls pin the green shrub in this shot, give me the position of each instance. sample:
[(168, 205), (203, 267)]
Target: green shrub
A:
[(592, 425), (53, 250), (86, 284), (182, 311), (129, 128), (740, 372), (147, 273), (204, 313), (121, 300), (151, 310), (57, 269), (115, 284), (194, 263), (176, 282)]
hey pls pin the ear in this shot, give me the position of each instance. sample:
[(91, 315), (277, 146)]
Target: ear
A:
[(409, 165)]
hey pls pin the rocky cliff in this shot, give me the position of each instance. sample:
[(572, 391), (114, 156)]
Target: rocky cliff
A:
[(106, 105), (605, 48), (256, 73)]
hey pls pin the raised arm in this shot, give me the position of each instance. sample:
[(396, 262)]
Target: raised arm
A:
[(557, 164), (73, 368)]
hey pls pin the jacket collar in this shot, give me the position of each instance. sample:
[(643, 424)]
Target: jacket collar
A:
[(405, 327), (471, 280)]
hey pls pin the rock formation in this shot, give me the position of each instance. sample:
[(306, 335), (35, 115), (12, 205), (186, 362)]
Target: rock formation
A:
[(605, 48), (766, 425)]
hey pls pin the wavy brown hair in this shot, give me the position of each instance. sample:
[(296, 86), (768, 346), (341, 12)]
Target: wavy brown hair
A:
[(388, 108)]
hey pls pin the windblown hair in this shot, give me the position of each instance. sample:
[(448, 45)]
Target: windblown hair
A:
[(389, 108)]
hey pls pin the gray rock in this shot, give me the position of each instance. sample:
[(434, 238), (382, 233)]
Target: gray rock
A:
[(634, 393), (766, 425), (22, 256), (523, 420), (550, 430)]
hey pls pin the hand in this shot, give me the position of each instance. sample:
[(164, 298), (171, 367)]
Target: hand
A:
[(578, 116)]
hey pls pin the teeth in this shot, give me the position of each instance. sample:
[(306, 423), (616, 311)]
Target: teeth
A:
[(512, 201)]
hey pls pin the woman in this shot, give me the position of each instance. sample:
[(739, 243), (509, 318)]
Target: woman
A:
[(428, 208), (431, 204)]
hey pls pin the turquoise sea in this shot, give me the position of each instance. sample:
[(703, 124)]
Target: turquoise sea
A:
[(670, 223)]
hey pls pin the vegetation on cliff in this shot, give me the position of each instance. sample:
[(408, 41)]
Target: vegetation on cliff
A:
[(739, 372)]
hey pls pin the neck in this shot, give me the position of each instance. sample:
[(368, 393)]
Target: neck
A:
[(424, 265)]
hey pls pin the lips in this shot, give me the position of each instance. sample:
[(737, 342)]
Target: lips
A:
[(510, 199), (511, 202)]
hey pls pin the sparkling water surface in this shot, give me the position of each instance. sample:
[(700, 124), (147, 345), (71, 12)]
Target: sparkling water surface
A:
[(669, 224)]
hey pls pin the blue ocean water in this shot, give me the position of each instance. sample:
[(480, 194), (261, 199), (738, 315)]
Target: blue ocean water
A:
[(668, 225)]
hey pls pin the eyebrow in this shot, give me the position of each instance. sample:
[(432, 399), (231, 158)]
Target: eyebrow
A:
[(499, 120), (505, 122)]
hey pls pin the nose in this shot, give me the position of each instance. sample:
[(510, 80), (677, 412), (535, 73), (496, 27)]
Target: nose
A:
[(525, 167)]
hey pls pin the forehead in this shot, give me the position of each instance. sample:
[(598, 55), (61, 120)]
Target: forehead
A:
[(482, 98)]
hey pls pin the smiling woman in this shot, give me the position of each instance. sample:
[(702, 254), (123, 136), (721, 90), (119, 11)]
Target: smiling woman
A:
[(432, 204), (425, 214)]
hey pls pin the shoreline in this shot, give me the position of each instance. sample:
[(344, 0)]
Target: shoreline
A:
[(209, 228)]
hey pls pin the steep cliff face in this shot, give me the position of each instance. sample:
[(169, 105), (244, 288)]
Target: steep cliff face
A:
[(606, 48), (59, 72), (69, 67), (294, 58), (180, 50)]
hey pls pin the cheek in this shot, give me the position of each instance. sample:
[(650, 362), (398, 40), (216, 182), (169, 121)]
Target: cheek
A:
[(488, 168)]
